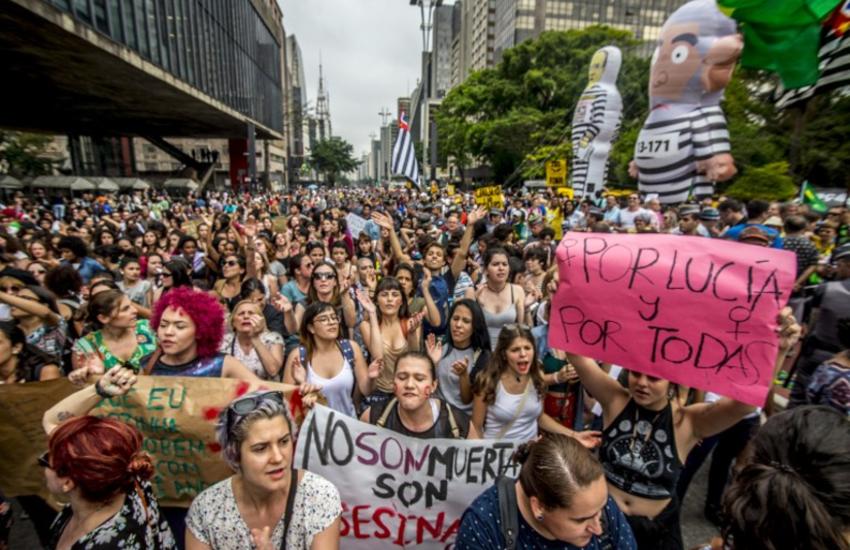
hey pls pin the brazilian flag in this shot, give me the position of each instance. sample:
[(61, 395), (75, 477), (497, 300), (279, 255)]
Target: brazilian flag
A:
[(809, 196)]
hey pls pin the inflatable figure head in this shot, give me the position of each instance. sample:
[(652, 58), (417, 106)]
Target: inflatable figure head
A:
[(604, 66), (696, 54)]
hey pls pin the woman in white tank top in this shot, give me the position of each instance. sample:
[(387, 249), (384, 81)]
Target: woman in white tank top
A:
[(508, 401), (326, 360)]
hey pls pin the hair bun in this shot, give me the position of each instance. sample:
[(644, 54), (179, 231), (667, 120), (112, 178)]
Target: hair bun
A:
[(140, 465), (522, 452)]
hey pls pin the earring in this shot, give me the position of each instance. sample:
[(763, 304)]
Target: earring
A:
[(539, 517)]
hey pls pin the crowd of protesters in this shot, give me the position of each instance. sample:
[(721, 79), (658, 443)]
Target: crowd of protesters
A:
[(431, 321)]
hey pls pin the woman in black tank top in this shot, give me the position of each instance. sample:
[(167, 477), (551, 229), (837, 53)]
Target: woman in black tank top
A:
[(412, 411), (648, 435)]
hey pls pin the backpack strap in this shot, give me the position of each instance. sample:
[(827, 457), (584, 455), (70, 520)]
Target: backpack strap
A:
[(152, 361), (508, 510), (452, 421), (386, 414), (302, 354), (347, 351)]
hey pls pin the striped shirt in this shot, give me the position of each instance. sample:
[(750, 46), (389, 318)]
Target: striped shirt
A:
[(667, 151)]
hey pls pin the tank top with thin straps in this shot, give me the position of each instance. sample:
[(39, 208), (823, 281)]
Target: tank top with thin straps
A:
[(495, 321)]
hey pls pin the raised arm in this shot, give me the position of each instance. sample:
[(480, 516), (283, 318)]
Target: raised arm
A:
[(33, 308), (596, 381), (115, 382), (386, 222), (459, 261), (431, 308), (370, 328)]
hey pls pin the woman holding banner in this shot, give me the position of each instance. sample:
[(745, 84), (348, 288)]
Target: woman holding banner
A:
[(267, 504), (333, 363), (508, 401), (559, 501), (412, 411), (97, 464), (648, 436)]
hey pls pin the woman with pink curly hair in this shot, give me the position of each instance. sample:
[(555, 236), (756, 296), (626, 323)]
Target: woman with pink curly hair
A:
[(190, 326)]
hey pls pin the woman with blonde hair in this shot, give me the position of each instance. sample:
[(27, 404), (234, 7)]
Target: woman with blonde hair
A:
[(252, 343)]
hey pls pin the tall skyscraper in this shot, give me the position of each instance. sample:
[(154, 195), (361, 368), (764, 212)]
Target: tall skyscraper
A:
[(519, 20)]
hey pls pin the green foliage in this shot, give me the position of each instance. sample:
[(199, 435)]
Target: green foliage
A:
[(332, 157), (769, 182), (517, 115), (824, 150), (25, 155)]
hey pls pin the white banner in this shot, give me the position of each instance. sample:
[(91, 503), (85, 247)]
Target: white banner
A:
[(398, 491), (356, 225)]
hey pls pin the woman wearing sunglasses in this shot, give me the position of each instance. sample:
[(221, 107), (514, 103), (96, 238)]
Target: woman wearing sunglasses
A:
[(97, 464), (175, 274), (508, 402), (233, 269), (325, 287), (267, 503)]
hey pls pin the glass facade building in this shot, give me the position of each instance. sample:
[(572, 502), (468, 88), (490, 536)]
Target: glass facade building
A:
[(221, 47)]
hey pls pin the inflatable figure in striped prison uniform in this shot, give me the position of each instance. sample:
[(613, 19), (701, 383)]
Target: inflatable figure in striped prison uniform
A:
[(683, 147)]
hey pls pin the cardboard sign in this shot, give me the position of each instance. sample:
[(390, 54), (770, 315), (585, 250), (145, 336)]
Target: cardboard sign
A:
[(556, 173), (356, 225), (696, 311), (176, 416), (490, 196), (397, 490)]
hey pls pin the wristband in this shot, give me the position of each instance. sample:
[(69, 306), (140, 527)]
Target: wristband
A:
[(99, 391)]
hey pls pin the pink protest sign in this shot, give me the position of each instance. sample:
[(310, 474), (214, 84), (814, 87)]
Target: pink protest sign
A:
[(700, 312)]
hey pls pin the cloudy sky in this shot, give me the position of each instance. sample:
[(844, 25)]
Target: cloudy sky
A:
[(370, 52)]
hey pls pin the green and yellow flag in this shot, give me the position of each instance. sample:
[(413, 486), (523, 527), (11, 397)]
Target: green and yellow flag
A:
[(809, 196)]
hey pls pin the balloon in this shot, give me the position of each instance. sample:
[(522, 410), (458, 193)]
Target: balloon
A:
[(683, 147), (596, 120)]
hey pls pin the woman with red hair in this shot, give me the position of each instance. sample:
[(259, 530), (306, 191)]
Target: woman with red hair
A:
[(97, 464), (190, 327)]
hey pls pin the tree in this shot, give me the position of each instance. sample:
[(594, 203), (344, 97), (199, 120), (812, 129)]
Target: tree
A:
[(25, 155), (770, 182), (332, 157)]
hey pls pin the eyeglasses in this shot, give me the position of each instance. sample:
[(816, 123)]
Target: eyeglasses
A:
[(166, 274), (833, 213), (327, 320), (231, 263), (37, 271), (44, 459), (324, 276), (244, 405)]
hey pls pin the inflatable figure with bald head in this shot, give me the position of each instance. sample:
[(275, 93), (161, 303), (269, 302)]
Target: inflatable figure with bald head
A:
[(595, 123), (683, 147)]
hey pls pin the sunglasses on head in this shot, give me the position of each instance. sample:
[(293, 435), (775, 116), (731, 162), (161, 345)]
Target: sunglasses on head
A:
[(517, 326), (324, 276), (244, 405)]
